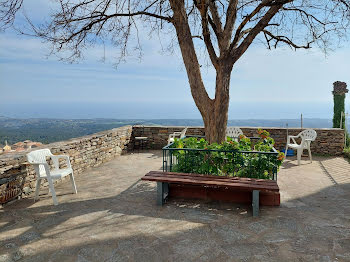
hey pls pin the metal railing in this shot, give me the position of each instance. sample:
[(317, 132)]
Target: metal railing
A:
[(252, 164)]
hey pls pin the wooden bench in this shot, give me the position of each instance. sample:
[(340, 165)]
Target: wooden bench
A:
[(254, 186)]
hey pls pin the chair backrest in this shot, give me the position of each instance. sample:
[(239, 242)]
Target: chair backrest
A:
[(308, 134), (183, 133), (233, 132), (39, 156)]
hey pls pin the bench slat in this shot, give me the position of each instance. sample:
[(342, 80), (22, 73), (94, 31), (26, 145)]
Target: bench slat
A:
[(220, 181), (250, 181), (208, 181), (220, 178)]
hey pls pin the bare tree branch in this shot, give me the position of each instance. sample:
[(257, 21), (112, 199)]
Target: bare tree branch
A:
[(230, 22), (284, 39), (216, 17), (238, 52), (206, 34), (225, 29), (8, 11)]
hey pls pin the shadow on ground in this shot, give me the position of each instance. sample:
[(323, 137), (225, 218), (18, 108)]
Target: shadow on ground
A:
[(117, 220)]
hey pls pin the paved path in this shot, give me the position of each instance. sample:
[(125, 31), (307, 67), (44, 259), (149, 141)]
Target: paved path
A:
[(114, 218)]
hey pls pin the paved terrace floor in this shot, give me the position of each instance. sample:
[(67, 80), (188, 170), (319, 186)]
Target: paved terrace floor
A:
[(114, 218)]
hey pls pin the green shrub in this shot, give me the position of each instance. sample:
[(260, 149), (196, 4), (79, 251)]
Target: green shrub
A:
[(347, 152), (348, 139), (339, 108), (229, 158)]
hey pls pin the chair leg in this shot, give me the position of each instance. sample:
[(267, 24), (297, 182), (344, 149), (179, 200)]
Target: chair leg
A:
[(73, 183), (53, 192), (309, 149), (285, 152), (299, 152), (37, 188)]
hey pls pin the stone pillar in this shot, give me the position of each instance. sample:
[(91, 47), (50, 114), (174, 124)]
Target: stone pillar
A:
[(339, 91)]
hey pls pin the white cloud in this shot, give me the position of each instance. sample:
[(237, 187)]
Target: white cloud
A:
[(277, 76), (284, 75)]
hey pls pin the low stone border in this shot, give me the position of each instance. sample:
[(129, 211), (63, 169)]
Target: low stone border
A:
[(85, 152), (93, 150), (329, 141)]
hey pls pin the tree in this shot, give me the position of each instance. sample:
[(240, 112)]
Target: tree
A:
[(339, 92), (225, 28)]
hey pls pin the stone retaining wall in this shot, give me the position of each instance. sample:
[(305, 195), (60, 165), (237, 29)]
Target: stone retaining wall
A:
[(329, 141), (93, 150), (85, 152)]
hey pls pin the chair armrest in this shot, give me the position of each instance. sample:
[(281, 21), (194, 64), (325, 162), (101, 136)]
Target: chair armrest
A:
[(55, 159), (37, 170), (294, 136), (293, 139), (37, 163), (177, 133), (60, 156)]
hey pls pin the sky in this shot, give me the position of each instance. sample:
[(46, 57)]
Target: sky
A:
[(265, 84)]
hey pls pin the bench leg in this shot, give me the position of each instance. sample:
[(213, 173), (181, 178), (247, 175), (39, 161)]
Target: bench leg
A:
[(255, 203), (162, 192)]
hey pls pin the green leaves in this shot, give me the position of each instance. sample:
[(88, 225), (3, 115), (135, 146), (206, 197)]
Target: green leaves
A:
[(347, 152), (229, 158)]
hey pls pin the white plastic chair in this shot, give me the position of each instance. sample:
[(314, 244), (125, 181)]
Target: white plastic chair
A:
[(172, 136), (307, 136), (233, 132), (38, 159)]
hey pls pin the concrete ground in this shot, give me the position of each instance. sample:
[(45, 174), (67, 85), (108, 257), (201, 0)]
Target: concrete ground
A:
[(114, 218)]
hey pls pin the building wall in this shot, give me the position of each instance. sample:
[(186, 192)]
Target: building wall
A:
[(329, 141), (85, 152)]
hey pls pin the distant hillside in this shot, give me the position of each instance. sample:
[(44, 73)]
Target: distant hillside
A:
[(53, 130), (315, 123)]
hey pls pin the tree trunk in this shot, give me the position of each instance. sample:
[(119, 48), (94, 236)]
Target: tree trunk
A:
[(216, 116), (214, 111)]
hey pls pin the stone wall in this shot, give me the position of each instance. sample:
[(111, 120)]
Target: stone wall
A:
[(85, 152), (157, 136), (93, 150), (329, 141)]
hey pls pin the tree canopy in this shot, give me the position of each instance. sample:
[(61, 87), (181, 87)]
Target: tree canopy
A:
[(225, 28)]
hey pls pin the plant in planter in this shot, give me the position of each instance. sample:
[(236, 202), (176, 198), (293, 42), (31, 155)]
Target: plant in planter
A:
[(263, 133), (230, 158)]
